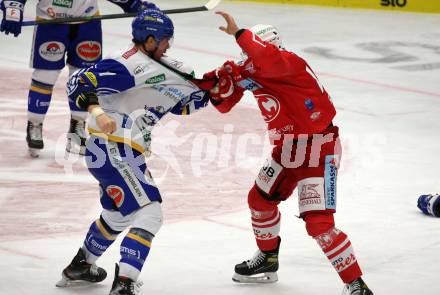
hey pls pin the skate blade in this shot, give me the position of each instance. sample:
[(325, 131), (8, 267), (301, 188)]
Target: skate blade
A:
[(264, 278), (76, 149), (66, 282), (34, 153)]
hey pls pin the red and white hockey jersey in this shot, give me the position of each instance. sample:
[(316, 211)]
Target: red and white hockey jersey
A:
[(288, 93)]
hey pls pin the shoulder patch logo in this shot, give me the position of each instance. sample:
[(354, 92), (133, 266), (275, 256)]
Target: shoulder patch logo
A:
[(92, 78), (156, 79)]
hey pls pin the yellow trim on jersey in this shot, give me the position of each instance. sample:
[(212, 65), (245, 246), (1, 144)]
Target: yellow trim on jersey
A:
[(139, 239), (103, 231), (41, 90), (185, 110), (427, 6), (132, 144)]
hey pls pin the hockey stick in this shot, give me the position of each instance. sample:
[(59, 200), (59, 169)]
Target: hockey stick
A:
[(208, 6), (201, 83)]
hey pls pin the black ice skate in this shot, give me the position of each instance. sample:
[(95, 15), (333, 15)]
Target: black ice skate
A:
[(80, 271), (262, 268), (34, 138), (76, 138), (357, 287), (124, 286)]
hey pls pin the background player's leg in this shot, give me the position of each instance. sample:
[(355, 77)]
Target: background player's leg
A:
[(47, 58), (84, 51)]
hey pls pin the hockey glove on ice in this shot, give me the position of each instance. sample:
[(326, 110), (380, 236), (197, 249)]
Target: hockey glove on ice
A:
[(12, 16), (429, 204)]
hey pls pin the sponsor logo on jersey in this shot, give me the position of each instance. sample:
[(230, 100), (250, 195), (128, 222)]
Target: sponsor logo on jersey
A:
[(269, 106), (309, 195), (331, 164), (156, 79), (116, 193), (249, 84), (89, 50), (52, 50), (139, 69), (129, 53), (309, 104), (63, 3), (314, 116)]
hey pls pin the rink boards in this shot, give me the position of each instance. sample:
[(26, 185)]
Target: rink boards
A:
[(427, 6)]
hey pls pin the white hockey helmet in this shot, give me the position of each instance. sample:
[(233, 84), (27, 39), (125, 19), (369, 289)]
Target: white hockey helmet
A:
[(268, 33)]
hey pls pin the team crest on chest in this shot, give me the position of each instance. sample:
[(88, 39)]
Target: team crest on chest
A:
[(269, 106)]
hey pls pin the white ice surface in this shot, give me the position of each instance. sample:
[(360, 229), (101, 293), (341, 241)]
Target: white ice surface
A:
[(388, 114)]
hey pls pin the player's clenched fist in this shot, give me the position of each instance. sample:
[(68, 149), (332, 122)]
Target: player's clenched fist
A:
[(106, 123)]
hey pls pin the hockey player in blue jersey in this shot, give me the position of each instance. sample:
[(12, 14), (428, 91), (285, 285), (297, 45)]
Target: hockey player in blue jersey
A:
[(429, 204), (127, 94), (81, 42)]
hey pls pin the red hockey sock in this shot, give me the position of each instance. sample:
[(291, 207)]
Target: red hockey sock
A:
[(337, 247), (266, 227)]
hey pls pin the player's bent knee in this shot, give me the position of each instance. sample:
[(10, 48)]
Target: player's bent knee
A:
[(115, 220), (257, 201), (149, 218), (46, 76), (319, 223)]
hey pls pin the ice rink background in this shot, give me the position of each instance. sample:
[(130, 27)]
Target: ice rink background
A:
[(382, 70)]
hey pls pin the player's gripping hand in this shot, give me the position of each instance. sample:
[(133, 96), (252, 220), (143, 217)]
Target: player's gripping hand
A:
[(225, 89), (208, 82), (12, 16), (232, 69)]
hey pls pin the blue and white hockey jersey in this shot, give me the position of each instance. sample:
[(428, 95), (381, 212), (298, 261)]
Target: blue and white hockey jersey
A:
[(137, 91)]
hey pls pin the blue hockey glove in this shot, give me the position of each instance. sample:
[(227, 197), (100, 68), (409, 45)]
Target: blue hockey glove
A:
[(12, 16), (429, 204), (135, 5)]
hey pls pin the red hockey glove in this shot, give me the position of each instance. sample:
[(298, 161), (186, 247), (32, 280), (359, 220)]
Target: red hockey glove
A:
[(225, 90), (232, 69), (208, 82)]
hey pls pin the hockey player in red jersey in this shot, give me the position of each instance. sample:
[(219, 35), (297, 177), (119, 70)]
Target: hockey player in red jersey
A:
[(306, 153)]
